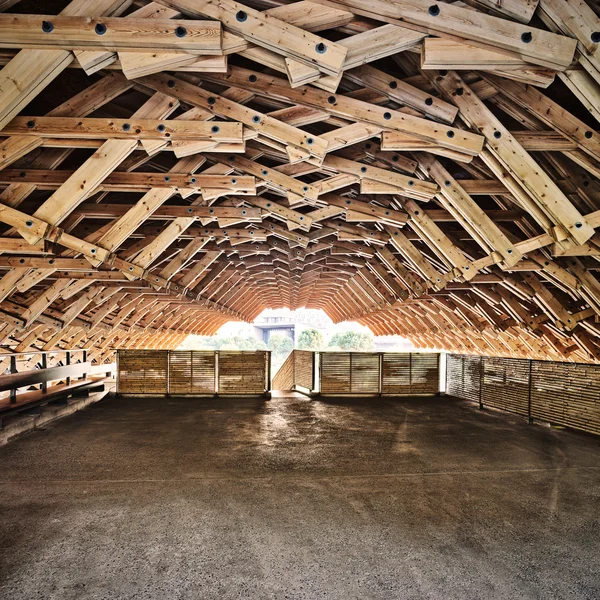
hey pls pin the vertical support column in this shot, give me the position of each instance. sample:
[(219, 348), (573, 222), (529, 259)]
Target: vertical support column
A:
[(350, 390), (168, 372), (293, 369), (314, 371), (481, 367), (45, 366), (13, 369), (445, 374), (529, 417), (84, 358), (268, 383), (192, 371), (67, 362), (216, 372), (410, 381), (380, 374)]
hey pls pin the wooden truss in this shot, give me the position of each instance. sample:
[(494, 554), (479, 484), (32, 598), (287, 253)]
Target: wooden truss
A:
[(429, 169)]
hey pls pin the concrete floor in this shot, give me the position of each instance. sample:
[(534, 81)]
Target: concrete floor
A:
[(199, 499)]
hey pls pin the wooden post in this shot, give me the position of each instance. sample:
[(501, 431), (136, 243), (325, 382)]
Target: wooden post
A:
[(529, 417), (168, 373), (68, 362), (314, 371), (13, 369), (481, 379), (216, 372)]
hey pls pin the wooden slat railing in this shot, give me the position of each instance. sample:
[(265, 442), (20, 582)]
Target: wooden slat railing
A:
[(379, 373), (297, 372), (284, 378), (31, 378), (193, 372), (566, 394), (360, 373)]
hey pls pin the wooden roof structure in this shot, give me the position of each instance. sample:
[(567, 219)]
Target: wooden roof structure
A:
[(429, 169)]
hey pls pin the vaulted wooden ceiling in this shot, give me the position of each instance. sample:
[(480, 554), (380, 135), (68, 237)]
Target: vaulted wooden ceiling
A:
[(428, 169)]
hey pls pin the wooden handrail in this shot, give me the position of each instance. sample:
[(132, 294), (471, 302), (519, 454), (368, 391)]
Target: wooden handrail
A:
[(36, 376), (34, 352)]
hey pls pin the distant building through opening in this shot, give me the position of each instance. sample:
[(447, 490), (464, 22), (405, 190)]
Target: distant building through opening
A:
[(304, 328)]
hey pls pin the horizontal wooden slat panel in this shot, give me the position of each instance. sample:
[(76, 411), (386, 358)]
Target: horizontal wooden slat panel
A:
[(401, 373), (560, 393), (506, 384), (142, 371), (396, 373), (566, 394), (424, 373), (242, 372), (191, 372), (364, 373), (284, 378), (303, 368), (463, 376), (335, 373)]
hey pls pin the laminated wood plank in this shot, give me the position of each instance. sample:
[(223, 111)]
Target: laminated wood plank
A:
[(469, 213), (124, 129), (353, 109), (367, 46), (109, 33), (520, 10), (135, 181), (403, 93), (30, 71), (534, 45), (219, 105), (268, 32), (576, 19), (92, 62), (584, 87), (445, 53), (412, 187), (533, 180)]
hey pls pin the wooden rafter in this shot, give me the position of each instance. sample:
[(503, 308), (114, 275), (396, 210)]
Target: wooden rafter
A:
[(418, 170)]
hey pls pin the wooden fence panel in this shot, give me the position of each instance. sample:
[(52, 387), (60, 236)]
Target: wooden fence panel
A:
[(335, 373), (463, 376), (455, 381), (424, 373), (243, 372), (364, 373), (390, 373), (283, 380), (566, 394), (204, 372), (191, 372), (506, 384), (473, 375), (303, 368), (180, 372), (560, 393), (396, 373), (143, 371)]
